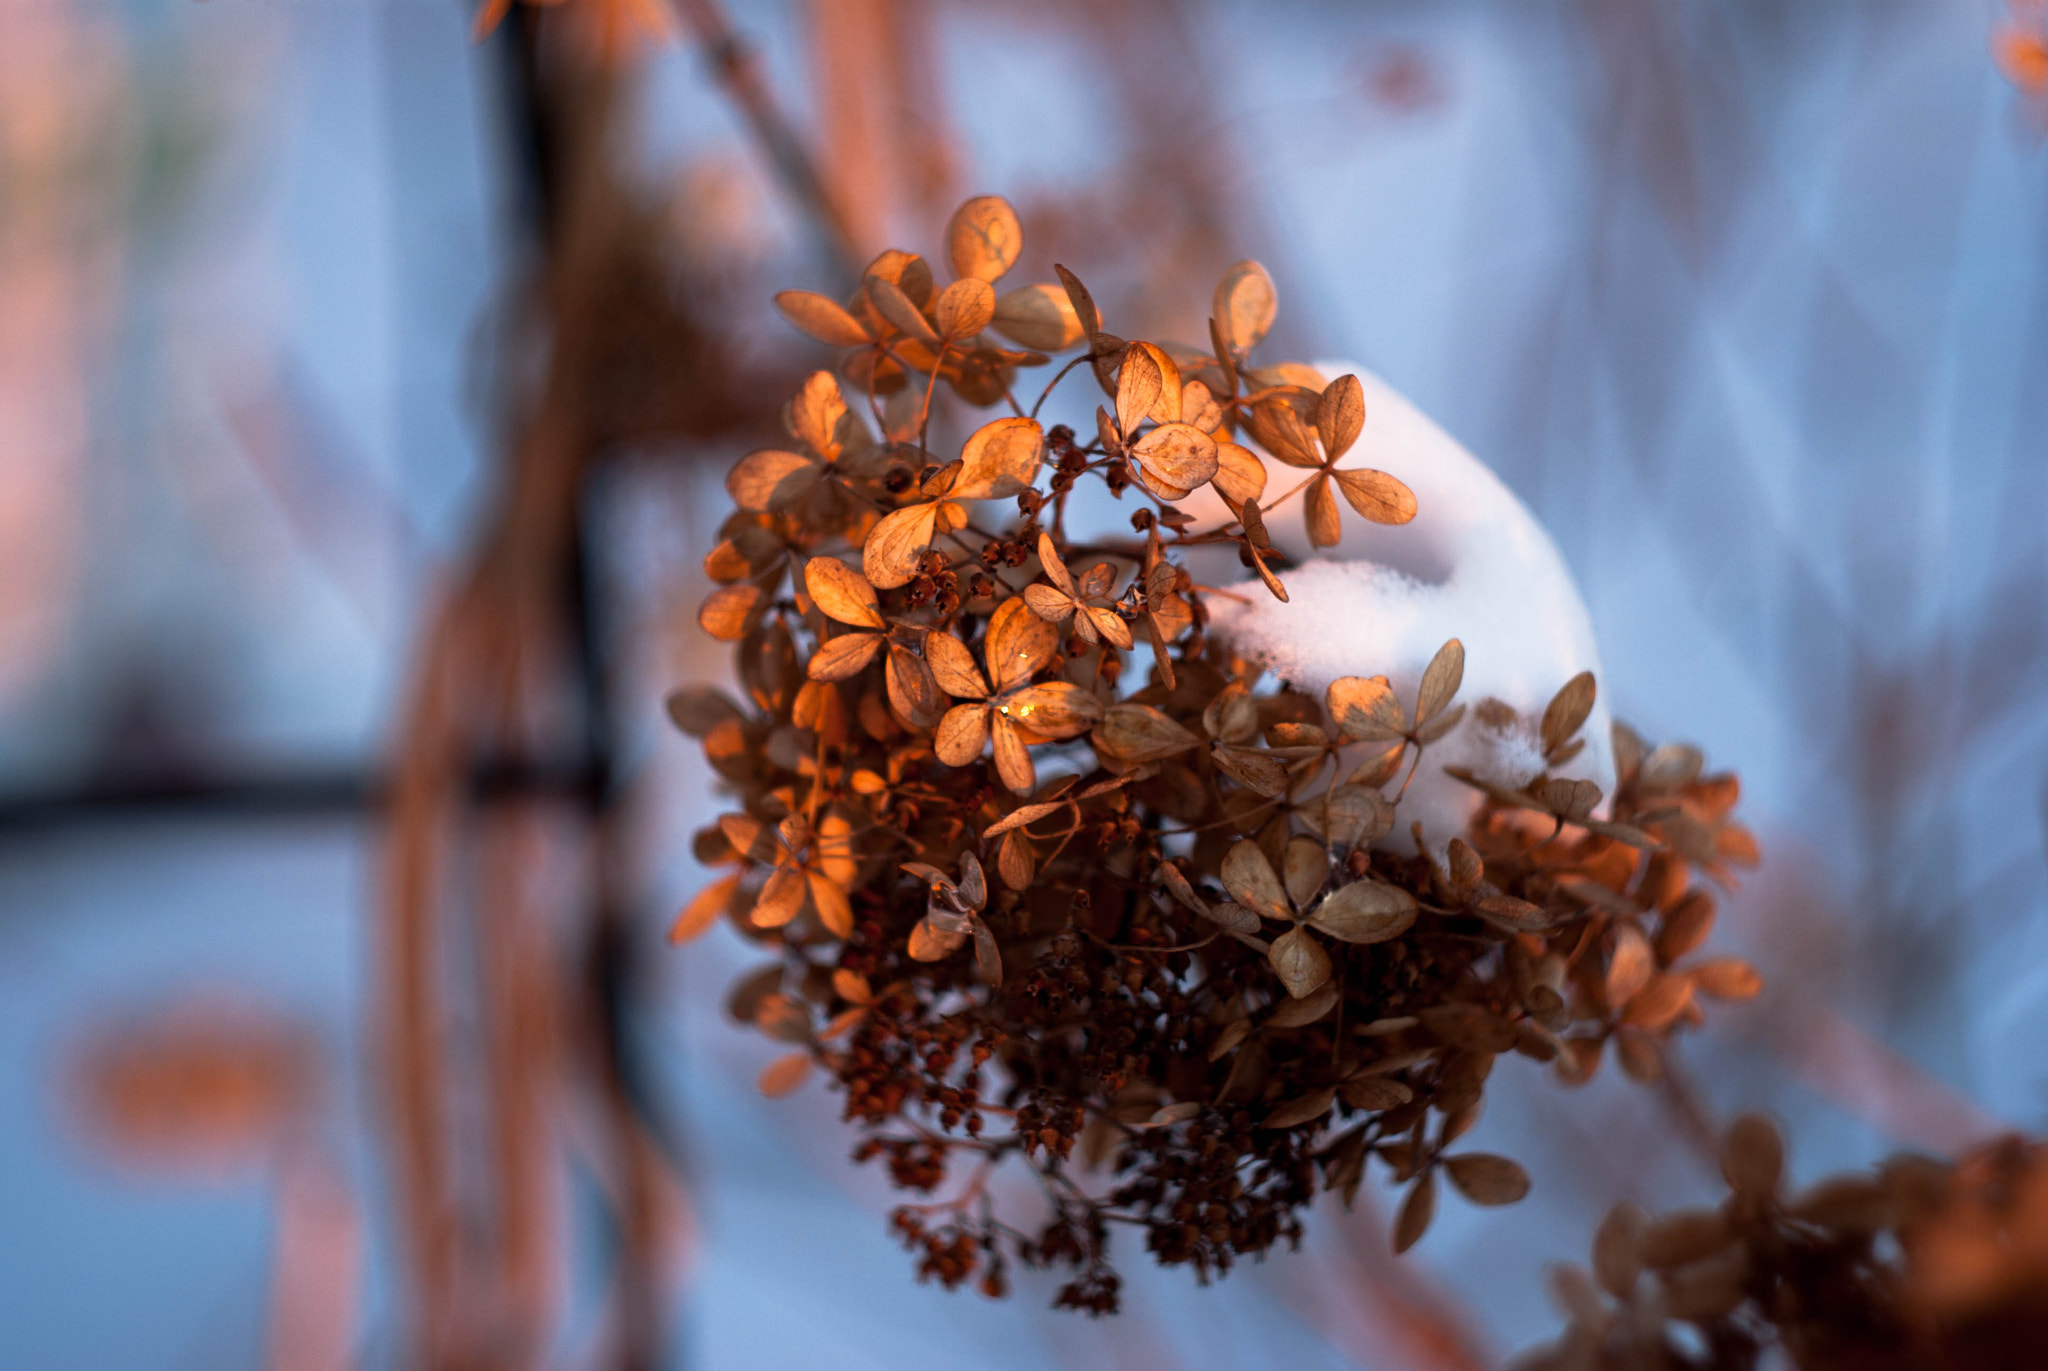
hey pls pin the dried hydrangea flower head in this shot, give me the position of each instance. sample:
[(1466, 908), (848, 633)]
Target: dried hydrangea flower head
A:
[(1052, 880), (1920, 1264)]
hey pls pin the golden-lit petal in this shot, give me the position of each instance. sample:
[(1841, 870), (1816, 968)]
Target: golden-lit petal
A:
[(1245, 306), (961, 734), (1013, 759), (842, 593), (999, 460), (983, 239), (896, 543), (953, 666), (1019, 644)]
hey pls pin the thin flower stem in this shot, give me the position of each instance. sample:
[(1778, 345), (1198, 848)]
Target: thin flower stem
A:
[(1058, 377), (924, 411), (1305, 483)]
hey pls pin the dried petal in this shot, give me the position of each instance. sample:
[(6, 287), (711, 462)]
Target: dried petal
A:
[(1250, 879), (1082, 301), (1375, 1093), (1017, 861), (697, 710), (1299, 960), (1140, 733), (703, 910), (1376, 495), (962, 732), (1659, 1002), (1232, 715), (817, 413), (842, 593), (1278, 426), (1173, 459), (1050, 603), (929, 944), (1753, 1157), (1416, 1212), (1251, 768), (1567, 711), (1301, 1109), (1484, 1178), (988, 958), (953, 666), (1617, 1260), (1039, 317), (913, 692), (852, 987), (1683, 1236), (1245, 306), (1728, 978), (1055, 709), (1440, 681), (1305, 869), (1018, 645), (1240, 475), (769, 479), (1366, 912), (1301, 1013), (822, 318), (781, 898), (983, 238), (896, 307), (785, 1074), (896, 543), (829, 899), (1013, 759), (1630, 966), (730, 612), (1137, 390), (964, 309), (1000, 459), (844, 656), (1325, 527), (1340, 415), (1365, 709)]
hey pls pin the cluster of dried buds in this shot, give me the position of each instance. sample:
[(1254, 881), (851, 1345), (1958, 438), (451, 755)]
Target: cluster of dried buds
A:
[(1164, 947), (1922, 1264)]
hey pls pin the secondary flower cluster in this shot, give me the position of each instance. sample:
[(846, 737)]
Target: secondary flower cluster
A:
[(1921, 1264), (1164, 945)]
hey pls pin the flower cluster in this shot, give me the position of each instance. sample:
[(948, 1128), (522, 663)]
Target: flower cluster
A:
[(1163, 946), (1922, 1264)]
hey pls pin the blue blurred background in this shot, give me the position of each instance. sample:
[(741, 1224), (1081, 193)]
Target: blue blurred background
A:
[(1748, 300)]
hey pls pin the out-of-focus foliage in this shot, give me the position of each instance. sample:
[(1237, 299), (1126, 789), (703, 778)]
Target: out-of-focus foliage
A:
[(1919, 1265)]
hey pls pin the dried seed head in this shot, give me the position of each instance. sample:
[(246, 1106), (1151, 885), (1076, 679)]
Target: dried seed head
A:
[(1026, 906)]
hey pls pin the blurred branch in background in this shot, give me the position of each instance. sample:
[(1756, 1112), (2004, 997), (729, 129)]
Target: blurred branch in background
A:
[(511, 648)]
